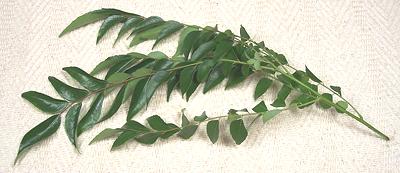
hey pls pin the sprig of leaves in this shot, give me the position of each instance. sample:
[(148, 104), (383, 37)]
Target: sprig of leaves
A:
[(204, 55)]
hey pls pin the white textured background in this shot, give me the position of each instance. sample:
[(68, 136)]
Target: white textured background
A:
[(353, 44)]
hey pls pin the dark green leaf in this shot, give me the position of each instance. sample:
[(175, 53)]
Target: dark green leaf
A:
[(171, 131), (148, 138), (108, 23), (337, 89), (129, 24), (260, 107), (222, 48), (67, 92), (105, 134), (157, 123), (188, 131), (170, 28), (342, 106), (171, 85), (71, 122), (312, 76), (135, 126), (324, 100), (121, 67), (192, 88), (44, 102), (92, 17), (150, 34), (138, 74), (204, 69), (213, 130), (110, 61), (301, 76), (124, 137), (188, 43), (135, 97), (115, 104), (92, 116), (243, 33), (203, 50), (262, 87), (270, 114), (162, 64), (235, 77), (281, 97), (216, 76), (281, 59), (147, 23), (142, 64), (87, 81), (119, 77), (185, 78), (238, 131), (38, 133), (182, 37), (201, 118)]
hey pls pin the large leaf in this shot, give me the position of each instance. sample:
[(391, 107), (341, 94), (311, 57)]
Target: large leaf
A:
[(38, 133), (188, 43), (136, 77), (87, 81), (151, 85), (238, 131), (115, 105), (92, 17), (216, 76), (150, 34), (147, 23), (118, 78), (92, 116), (108, 23), (262, 87), (109, 62), (281, 97), (44, 103), (71, 122), (67, 92), (213, 130), (129, 24), (170, 28)]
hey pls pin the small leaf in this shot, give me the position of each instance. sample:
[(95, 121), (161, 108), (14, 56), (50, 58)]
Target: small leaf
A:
[(92, 17), (238, 131), (148, 138), (185, 120), (262, 87), (157, 123), (192, 88), (129, 24), (119, 77), (115, 105), (232, 115), (170, 28), (109, 62), (201, 118), (44, 103), (87, 81), (147, 23), (281, 97), (92, 116), (149, 34), (71, 122), (38, 133), (312, 76), (203, 50), (108, 23), (67, 92), (270, 114), (343, 106), (213, 130), (188, 131), (337, 89), (124, 137), (105, 134), (303, 100), (324, 100), (204, 69), (243, 33), (260, 107), (216, 76)]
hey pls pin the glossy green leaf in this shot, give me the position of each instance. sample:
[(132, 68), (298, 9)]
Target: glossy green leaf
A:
[(105, 134), (119, 77), (128, 25), (243, 33), (204, 69), (115, 104), (213, 130), (150, 34), (135, 97), (182, 38), (157, 123), (92, 17), (201, 118), (188, 43), (92, 116), (148, 138), (337, 89), (216, 76), (137, 76), (121, 67), (38, 133), (67, 92), (266, 116), (343, 106), (152, 84), (281, 97), (44, 103), (110, 61), (325, 100), (312, 76), (203, 50), (123, 138), (235, 77), (170, 28), (71, 122), (262, 87), (87, 81), (188, 131), (238, 131), (260, 107), (147, 23), (172, 82), (108, 23), (185, 78)]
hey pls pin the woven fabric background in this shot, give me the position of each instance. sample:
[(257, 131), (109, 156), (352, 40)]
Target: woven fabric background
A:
[(351, 43)]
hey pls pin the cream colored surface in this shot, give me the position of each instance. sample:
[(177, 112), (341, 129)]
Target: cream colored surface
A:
[(354, 44)]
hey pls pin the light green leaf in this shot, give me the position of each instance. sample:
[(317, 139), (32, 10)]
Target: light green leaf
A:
[(213, 130), (105, 134), (260, 107), (303, 100), (108, 23), (170, 28), (38, 133), (201, 118), (262, 87), (188, 131), (129, 24), (270, 114), (203, 50), (115, 104), (44, 103), (109, 62), (118, 77), (281, 97), (92, 116), (71, 122), (87, 81), (232, 116), (312, 76), (324, 101), (342, 106), (238, 131)]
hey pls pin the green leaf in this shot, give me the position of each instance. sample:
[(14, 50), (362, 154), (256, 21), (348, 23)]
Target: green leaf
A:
[(105, 134), (324, 100), (222, 48), (262, 87), (71, 122), (243, 33), (270, 114), (92, 17), (201, 118), (147, 23), (87, 81), (232, 115), (149, 34), (181, 45), (67, 92), (301, 76), (152, 84), (92, 116), (216, 76), (188, 43), (303, 100), (188, 131), (343, 106), (337, 89), (109, 62), (170, 28), (129, 24), (172, 82), (120, 67), (260, 107), (213, 130), (162, 64), (185, 120), (135, 126), (158, 55), (185, 78), (171, 131), (235, 77), (44, 103), (123, 138), (118, 77), (204, 69), (38, 133), (157, 123), (281, 97), (108, 23), (192, 88), (115, 105), (148, 138), (135, 97), (138, 74), (238, 131), (312, 76), (203, 50)]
